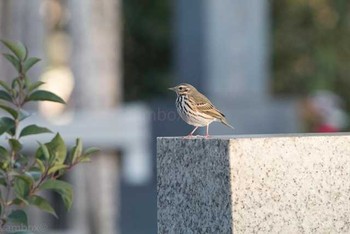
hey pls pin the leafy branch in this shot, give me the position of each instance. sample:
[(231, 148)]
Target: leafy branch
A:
[(22, 177)]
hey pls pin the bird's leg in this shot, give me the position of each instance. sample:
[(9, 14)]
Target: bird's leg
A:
[(191, 133), (207, 134)]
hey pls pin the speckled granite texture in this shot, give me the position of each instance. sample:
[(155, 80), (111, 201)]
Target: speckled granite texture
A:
[(261, 184)]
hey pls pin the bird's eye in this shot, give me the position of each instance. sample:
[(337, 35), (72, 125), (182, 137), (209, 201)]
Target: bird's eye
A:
[(180, 88)]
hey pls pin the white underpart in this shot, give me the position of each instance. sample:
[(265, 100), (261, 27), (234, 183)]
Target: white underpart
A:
[(197, 119)]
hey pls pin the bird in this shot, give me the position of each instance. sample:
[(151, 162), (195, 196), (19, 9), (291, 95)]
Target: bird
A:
[(196, 109)]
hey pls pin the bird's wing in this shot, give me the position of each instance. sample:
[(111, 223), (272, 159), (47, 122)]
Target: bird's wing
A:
[(205, 106)]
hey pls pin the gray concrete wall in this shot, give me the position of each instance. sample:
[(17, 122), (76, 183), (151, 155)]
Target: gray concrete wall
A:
[(254, 184)]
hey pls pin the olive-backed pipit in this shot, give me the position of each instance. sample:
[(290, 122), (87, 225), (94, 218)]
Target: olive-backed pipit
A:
[(196, 109)]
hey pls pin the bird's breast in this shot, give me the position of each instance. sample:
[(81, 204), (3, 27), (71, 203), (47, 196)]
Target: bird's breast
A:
[(189, 113)]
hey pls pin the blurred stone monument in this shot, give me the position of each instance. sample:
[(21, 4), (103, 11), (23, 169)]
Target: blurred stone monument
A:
[(15, 20), (223, 48)]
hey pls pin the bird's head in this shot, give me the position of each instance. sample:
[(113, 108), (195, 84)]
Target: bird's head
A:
[(183, 89)]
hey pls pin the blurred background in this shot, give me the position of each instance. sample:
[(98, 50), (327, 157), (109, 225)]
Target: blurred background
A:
[(277, 66)]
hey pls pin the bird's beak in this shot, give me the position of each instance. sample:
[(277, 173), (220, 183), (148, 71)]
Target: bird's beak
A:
[(173, 88)]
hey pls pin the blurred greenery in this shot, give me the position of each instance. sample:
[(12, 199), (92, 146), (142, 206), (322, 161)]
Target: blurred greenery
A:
[(311, 47), (147, 48)]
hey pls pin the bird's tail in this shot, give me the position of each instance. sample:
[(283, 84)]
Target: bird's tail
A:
[(224, 121)]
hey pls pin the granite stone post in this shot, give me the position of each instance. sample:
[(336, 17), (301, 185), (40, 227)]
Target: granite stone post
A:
[(254, 184)]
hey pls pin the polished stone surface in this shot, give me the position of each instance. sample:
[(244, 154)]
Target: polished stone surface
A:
[(254, 184)]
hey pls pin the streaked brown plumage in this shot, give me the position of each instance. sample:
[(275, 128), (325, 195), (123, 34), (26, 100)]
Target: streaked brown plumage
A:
[(195, 108)]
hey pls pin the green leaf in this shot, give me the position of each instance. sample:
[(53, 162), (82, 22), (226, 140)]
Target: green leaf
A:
[(57, 149), (85, 159), (15, 145), (9, 110), (91, 150), (14, 93), (16, 83), (29, 63), (5, 96), (26, 82), (64, 189), (69, 158), (27, 178), (40, 165), (17, 48), (87, 154), (4, 166), (19, 217), (22, 187), (33, 129), (42, 95), (42, 153), (5, 85), (4, 154), (78, 150), (12, 132), (6, 124), (13, 60), (42, 204), (35, 85), (56, 168)]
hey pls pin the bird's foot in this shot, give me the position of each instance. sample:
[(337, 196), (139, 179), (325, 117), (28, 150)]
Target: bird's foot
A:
[(190, 136)]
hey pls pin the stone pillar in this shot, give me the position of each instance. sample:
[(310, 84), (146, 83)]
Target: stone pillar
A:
[(22, 20), (222, 47), (254, 184), (189, 41), (95, 28), (236, 49)]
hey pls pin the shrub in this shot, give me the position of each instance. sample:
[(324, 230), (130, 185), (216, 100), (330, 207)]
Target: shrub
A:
[(22, 176)]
